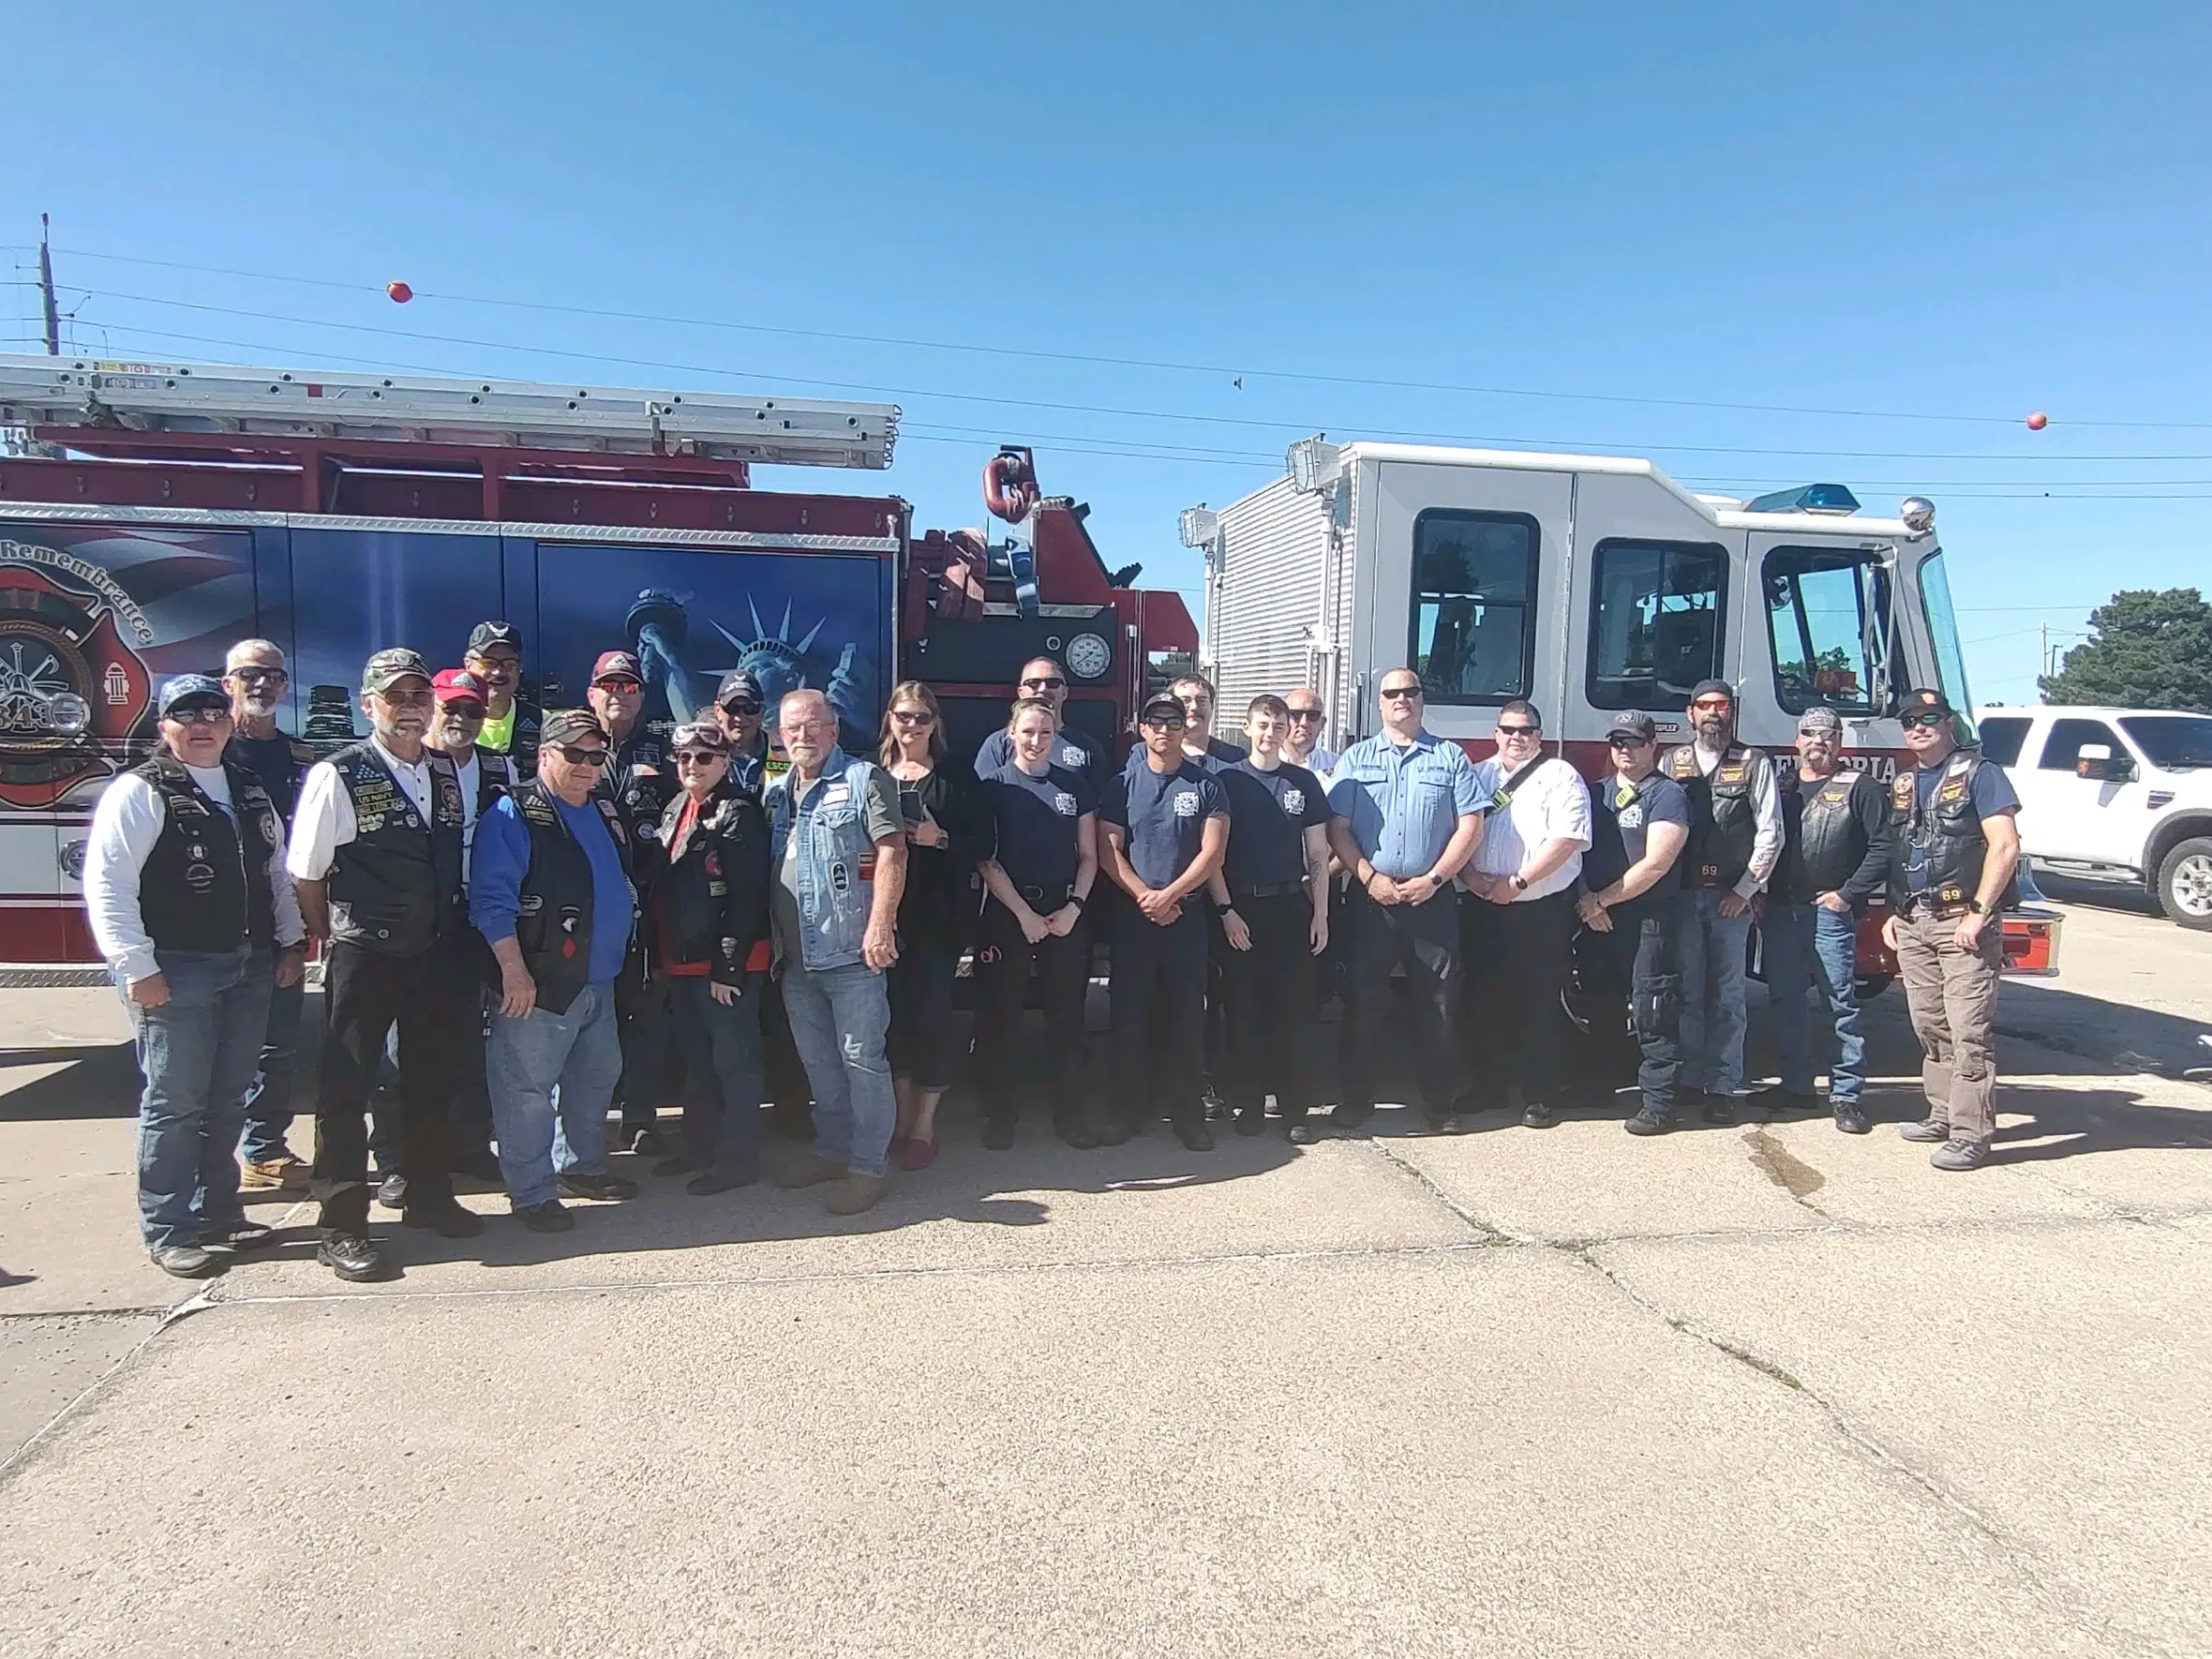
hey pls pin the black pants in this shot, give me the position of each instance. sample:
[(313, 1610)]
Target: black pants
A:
[(1270, 1000), (1516, 961), (1158, 988), (791, 1096), (721, 1083), (365, 996), (1003, 959), (1424, 939), (1647, 944), (649, 1041), (924, 1041)]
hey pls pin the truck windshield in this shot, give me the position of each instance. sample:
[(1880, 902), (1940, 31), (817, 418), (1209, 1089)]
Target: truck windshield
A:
[(2171, 743), (1943, 631), (1828, 612)]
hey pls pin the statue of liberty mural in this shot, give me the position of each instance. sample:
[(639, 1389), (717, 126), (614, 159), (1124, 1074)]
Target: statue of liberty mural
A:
[(660, 631)]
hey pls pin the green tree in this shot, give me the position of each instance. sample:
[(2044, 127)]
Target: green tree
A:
[(2147, 650)]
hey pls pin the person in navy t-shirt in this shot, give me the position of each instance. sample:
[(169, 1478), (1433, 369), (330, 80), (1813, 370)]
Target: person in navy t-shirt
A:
[(1167, 827), (1073, 749), (1272, 893), (1038, 883)]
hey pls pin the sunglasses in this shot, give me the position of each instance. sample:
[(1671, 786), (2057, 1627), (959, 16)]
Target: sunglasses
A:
[(620, 683), (1713, 705), (1401, 692), (1932, 717), (1617, 741), (575, 756), (199, 714), (464, 710), (914, 717), (697, 757), (744, 706), (1050, 682), (1518, 731), (257, 675), (499, 664), (1305, 714), (408, 700), (1159, 723)]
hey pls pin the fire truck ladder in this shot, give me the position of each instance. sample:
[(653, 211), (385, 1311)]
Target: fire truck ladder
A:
[(81, 392)]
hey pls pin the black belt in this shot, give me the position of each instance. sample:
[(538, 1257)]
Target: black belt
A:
[(1054, 896), (1269, 889)]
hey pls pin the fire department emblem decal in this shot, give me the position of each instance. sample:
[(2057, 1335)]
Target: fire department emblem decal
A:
[(71, 690)]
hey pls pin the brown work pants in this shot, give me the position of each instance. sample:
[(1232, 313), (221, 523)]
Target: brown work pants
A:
[(1952, 996)]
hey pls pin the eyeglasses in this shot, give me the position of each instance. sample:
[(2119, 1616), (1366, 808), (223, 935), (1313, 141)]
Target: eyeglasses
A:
[(1158, 722), (575, 756), (1713, 705), (1618, 741), (499, 664), (622, 683), (1043, 682), (257, 675), (199, 714), (408, 700), (744, 707), (697, 757), (1305, 714), (1930, 717), (1401, 692), (914, 717), (463, 711), (1519, 731)]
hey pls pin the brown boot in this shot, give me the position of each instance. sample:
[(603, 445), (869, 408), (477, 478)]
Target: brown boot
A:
[(851, 1194), (807, 1169), (281, 1173)]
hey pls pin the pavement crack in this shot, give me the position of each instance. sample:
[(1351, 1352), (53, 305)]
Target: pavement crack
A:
[(1406, 1166)]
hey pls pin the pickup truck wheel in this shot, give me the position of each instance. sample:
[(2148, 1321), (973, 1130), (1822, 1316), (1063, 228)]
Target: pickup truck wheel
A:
[(2184, 883)]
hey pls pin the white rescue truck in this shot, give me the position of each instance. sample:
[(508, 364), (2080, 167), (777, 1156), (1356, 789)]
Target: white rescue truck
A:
[(1590, 584)]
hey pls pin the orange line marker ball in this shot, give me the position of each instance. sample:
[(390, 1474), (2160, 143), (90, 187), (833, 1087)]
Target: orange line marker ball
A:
[(401, 294), (2037, 421)]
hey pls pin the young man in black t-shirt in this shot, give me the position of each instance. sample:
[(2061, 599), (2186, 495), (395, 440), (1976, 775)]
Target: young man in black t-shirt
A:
[(1271, 895)]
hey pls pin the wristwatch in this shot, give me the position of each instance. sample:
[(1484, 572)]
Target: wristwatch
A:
[(1978, 908), (1519, 886), (1224, 907)]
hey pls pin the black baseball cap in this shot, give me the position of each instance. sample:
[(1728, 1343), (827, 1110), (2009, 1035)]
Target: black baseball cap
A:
[(739, 686), (1162, 709), (1633, 723), (1926, 701), (486, 635), (1707, 688)]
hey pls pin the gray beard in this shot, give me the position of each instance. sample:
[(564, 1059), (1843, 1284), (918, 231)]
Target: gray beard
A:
[(1713, 745)]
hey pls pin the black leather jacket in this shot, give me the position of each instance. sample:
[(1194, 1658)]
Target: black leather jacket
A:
[(709, 899)]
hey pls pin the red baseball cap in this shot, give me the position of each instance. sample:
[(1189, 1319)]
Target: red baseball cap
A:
[(458, 685), (616, 665)]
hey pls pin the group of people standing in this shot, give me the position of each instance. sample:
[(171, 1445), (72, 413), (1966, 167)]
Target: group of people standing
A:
[(523, 913)]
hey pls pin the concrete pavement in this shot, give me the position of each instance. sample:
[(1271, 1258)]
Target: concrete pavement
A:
[(1768, 1390)]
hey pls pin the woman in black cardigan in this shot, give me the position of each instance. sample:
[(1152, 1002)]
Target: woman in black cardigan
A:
[(949, 830), (708, 922)]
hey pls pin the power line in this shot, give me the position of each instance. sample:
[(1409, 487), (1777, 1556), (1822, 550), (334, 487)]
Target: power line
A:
[(1105, 360)]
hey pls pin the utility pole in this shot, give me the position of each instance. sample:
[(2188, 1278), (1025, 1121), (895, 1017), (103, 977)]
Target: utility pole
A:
[(2043, 647), (54, 315)]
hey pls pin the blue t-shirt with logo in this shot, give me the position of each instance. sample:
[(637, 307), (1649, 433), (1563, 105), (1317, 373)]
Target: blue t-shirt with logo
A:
[(1074, 750), (1165, 816), (1269, 812), (1037, 818)]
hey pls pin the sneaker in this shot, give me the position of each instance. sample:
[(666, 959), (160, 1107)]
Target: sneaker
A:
[(608, 1188), (549, 1217), (1302, 1133), (1719, 1109), (184, 1260), (282, 1173), (717, 1181), (1538, 1114), (353, 1258), (392, 1192), (808, 1169), (1774, 1100), (1251, 1120), (1851, 1120), (849, 1195), (239, 1235), (1195, 1137), (915, 1153), (998, 1133), (1217, 1108), (443, 1217), (1646, 1122), (482, 1165), (1932, 1132), (683, 1163), (1960, 1155)]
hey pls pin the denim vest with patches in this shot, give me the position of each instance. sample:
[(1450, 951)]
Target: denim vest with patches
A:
[(836, 858)]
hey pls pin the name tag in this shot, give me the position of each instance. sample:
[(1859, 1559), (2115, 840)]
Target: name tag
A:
[(836, 794)]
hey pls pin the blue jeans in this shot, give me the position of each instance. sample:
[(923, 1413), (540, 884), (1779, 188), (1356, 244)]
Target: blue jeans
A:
[(268, 1102), (723, 1082), (1809, 947), (197, 1051), (1713, 1021), (578, 1053), (838, 1019)]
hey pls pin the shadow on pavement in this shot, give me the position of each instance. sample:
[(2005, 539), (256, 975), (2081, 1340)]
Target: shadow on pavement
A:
[(2120, 1035), (96, 1080), (2080, 1122)]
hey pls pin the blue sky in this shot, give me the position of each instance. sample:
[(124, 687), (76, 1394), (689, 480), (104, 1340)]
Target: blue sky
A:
[(1972, 212)]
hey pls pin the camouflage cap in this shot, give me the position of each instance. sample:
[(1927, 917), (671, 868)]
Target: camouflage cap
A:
[(388, 666), (181, 689), (562, 724), (1817, 720)]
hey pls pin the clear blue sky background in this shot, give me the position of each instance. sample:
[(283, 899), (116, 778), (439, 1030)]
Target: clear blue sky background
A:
[(1970, 211)]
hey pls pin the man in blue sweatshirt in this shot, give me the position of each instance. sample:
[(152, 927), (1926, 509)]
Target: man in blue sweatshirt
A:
[(549, 890)]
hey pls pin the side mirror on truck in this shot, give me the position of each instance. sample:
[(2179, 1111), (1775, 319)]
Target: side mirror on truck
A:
[(2099, 765)]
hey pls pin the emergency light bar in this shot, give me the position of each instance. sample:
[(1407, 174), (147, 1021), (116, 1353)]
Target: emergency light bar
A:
[(288, 403)]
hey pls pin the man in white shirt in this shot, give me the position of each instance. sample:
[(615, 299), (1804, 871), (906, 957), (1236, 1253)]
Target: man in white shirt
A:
[(1516, 940), (1302, 746), (377, 858), (184, 881)]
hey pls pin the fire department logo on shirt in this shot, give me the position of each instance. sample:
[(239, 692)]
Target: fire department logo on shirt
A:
[(1293, 802), (1071, 757), (1187, 804), (1064, 803)]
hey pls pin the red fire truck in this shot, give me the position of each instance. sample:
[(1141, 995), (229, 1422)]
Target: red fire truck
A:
[(153, 514)]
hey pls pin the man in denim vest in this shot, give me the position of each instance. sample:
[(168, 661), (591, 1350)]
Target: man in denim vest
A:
[(839, 852)]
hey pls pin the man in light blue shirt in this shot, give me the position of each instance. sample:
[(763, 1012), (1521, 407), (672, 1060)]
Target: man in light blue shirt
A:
[(1406, 813)]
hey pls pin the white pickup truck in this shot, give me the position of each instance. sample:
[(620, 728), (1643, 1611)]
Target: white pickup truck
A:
[(2114, 794)]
